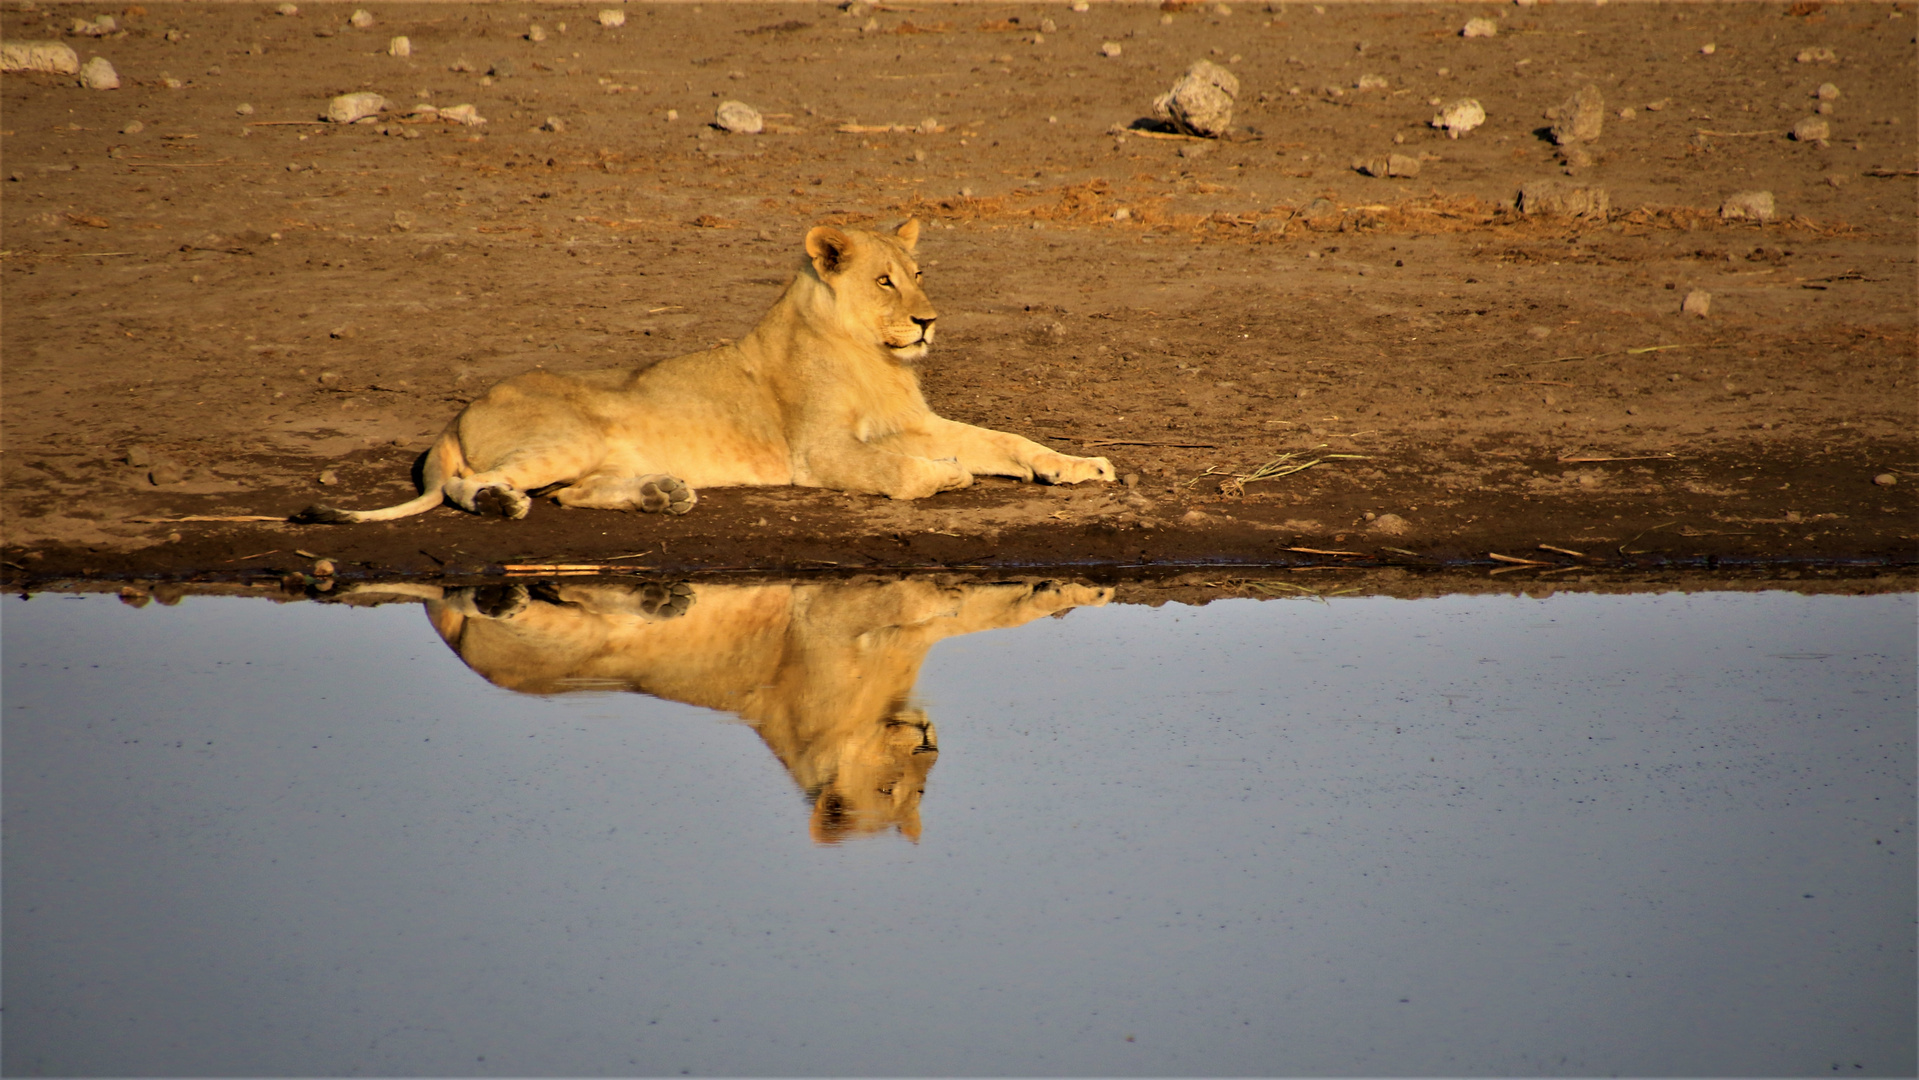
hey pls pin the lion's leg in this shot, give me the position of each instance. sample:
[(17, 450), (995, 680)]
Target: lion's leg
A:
[(653, 493), (986, 452)]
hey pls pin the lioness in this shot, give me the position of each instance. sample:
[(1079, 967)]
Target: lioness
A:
[(822, 393), (824, 671)]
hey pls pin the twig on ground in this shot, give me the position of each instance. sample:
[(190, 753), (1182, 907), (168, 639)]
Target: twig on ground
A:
[(1563, 551), (1497, 557)]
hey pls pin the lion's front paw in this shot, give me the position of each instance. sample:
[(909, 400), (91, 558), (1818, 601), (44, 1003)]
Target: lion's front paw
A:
[(501, 501), (1052, 468)]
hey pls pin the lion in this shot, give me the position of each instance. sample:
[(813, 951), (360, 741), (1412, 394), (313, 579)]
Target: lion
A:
[(822, 393), (824, 671)]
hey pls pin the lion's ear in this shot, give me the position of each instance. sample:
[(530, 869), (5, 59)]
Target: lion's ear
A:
[(830, 249), (909, 232)]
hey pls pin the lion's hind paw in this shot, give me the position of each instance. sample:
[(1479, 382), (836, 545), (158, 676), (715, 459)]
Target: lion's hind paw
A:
[(501, 501), (665, 495)]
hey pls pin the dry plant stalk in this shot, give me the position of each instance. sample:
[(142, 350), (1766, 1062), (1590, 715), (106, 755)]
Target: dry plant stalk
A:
[(1284, 465)]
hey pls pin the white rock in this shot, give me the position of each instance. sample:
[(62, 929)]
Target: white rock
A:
[(1480, 28), (51, 56), (361, 19), (97, 74), (399, 46), (739, 118), (99, 27), (347, 108), (1748, 206), (1818, 54), (288, 9), (1460, 117), (1201, 102), (1826, 92), (1081, 5), (1110, 49), (1371, 82), (536, 33), (612, 17), (462, 114), (1698, 302), (1813, 129), (243, 109)]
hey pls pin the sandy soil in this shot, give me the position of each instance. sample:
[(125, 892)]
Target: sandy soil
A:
[(215, 307)]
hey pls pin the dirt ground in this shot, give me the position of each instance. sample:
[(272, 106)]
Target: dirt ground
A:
[(215, 306)]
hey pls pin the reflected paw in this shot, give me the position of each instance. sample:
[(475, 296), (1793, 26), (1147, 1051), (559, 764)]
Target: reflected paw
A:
[(666, 601), (664, 495)]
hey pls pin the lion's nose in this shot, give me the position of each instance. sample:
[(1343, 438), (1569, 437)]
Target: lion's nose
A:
[(924, 324)]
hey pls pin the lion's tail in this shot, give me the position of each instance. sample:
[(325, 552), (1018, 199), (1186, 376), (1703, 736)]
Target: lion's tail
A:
[(443, 463)]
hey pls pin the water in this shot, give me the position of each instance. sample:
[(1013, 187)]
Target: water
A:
[(1649, 835)]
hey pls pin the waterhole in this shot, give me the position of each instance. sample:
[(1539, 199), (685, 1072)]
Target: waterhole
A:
[(914, 828)]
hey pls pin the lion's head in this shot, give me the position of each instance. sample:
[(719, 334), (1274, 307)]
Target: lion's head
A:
[(878, 778), (875, 287)]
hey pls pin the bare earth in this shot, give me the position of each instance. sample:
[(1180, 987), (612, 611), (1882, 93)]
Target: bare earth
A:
[(234, 311)]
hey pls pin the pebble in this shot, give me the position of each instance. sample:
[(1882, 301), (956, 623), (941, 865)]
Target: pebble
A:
[(1201, 102), (463, 114), (347, 108), (1818, 54), (98, 74), (1580, 117), (1481, 27), (99, 27), (139, 456), (1389, 525), (502, 68), (1195, 517), (324, 568), (134, 127), (612, 17), (329, 477), (1885, 479), (554, 124), (1561, 198), (1048, 26), (1813, 129), (1826, 92), (1131, 480), (1708, 49), (739, 118), (243, 109), (164, 473), (1698, 302), (1396, 165), (1371, 82), (536, 33), (50, 56), (361, 19), (400, 46), (1460, 117), (1110, 49), (288, 9), (1082, 5), (1748, 206)]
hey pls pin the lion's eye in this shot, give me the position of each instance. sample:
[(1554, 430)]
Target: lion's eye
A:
[(886, 281), (919, 275)]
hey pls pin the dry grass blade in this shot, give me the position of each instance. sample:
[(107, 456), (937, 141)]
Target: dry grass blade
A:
[(1284, 465), (1562, 551), (1323, 551), (1497, 557), (554, 568)]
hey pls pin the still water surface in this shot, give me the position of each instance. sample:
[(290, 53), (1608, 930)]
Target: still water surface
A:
[(1650, 835)]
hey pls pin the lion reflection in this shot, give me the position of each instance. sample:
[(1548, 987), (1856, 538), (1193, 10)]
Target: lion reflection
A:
[(823, 671)]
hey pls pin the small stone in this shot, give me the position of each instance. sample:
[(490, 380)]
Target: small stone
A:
[(1082, 5), (164, 473), (870, 26), (1563, 198), (1392, 165), (739, 118), (1195, 517), (1195, 150), (1371, 82), (672, 114), (612, 17), (324, 568), (243, 109), (1885, 479), (1122, 214), (554, 124), (1697, 302), (99, 27), (98, 74), (287, 9), (48, 56), (1708, 49), (134, 127), (502, 68), (1628, 114), (139, 456), (1460, 117), (329, 477), (1389, 525), (462, 65), (1110, 49), (328, 378), (361, 19), (1824, 108), (1818, 54), (536, 33), (1048, 26), (1580, 117), (1131, 480), (348, 108), (1826, 92), (1813, 129), (403, 221), (1748, 206), (400, 46), (1480, 27), (1201, 102), (462, 114)]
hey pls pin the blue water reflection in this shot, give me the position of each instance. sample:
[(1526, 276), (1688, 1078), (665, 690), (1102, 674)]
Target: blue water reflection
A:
[(1663, 834)]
